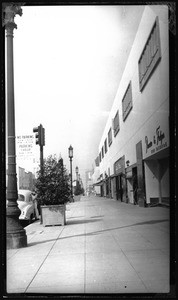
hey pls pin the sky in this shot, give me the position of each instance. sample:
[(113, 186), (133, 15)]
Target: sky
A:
[(68, 62)]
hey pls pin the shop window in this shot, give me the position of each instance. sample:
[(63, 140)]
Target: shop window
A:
[(116, 123), (110, 137), (127, 102), (105, 146), (150, 56)]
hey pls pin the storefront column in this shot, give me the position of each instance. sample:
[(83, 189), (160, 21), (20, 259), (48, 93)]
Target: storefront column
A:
[(140, 174)]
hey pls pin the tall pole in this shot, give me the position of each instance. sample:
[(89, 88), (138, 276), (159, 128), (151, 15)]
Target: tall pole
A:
[(71, 178), (76, 169), (15, 233), (41, 159)]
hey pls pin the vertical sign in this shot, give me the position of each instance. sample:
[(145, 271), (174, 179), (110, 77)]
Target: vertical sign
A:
[(25, 147)]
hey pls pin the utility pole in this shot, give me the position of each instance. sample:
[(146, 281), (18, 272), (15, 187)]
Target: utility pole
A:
[(15, 233), (71, 156), (41, 159)]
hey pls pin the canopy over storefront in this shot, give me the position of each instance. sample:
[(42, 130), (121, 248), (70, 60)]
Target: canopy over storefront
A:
[(98, 183)]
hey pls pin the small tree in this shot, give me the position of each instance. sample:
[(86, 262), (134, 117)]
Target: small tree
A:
[(52, 187)]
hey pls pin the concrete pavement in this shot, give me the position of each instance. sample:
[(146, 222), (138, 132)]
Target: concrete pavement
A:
[(106, 247)]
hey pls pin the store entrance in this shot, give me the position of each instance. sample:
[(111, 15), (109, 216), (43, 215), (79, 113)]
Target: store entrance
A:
[(135, 185), (119, 188)]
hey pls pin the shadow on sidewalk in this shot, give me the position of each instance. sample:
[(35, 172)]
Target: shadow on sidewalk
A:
[(72, 222), (98, 231)]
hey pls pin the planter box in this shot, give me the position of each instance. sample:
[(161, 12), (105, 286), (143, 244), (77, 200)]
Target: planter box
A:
[(77, 198), (53, 215)]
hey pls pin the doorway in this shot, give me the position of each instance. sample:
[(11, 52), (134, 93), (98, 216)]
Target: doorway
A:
[(135, 184), (119, 188)]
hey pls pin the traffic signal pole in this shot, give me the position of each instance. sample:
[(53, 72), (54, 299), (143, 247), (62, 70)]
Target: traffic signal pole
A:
[(41, 159)]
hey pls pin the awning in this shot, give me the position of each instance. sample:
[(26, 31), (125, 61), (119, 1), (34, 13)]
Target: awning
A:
[(112, 176), (98, 183), (128, 176)]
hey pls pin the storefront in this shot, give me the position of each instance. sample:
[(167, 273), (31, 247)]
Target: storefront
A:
[(131, 183), (99, 186), (156, 163), (120, 180)]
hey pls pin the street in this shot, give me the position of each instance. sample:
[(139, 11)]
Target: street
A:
[(105, 247)]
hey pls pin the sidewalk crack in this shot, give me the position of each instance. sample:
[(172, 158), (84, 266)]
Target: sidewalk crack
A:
[(43, 261)]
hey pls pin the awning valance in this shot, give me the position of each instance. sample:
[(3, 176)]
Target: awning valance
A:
[(98, 183)]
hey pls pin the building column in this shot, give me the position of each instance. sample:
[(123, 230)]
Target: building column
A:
[(140, 175), (15, 233)]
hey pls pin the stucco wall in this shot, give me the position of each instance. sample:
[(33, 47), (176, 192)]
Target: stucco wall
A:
[(151, 106)]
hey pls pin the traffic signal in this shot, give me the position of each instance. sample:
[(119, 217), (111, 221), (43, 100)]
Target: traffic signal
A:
[(40, 135)]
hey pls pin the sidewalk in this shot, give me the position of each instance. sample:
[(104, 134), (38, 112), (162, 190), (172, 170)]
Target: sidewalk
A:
[(106, 247)]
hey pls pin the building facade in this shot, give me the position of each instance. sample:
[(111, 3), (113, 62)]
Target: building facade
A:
[(25, 180), (89, 182), (134, 148)]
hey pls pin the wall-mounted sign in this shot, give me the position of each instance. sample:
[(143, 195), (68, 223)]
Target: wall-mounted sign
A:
[(156, 142), (119, 166), (25, 146)]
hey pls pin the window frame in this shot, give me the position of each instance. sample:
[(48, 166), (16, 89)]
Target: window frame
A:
[(116, 128), (125, 112), (100, 156), (102, 151), (105, 146), (110, 137), (150, 56)]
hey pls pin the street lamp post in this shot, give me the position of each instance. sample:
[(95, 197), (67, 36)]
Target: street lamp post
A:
[(15, 233), (71, 156), (77, 186), (76, 170), (79, 179)]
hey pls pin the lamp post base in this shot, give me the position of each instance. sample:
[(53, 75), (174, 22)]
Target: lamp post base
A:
[(15, 234), (16, 240)]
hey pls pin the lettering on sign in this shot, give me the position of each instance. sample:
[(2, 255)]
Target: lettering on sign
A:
[(157, 141), (148, 144), (25, 146), (119, 166), (25, 137)]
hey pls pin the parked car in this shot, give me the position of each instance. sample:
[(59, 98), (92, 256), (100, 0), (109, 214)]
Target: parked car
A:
[(27, 205)]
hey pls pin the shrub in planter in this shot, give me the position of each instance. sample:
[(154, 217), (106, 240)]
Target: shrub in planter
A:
[(78, 190), (53, 189)]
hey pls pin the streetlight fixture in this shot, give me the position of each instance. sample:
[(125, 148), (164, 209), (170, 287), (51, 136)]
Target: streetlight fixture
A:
[(71, 156)]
